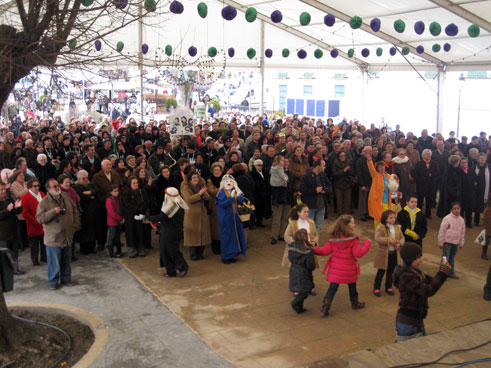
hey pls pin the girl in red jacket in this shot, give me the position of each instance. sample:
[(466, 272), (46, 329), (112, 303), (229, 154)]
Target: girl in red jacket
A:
[(114, 221), (342, 267)]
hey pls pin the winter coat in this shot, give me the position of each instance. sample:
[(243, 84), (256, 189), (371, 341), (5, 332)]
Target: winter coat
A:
[(308, 186), (100, 179), (262, 187), (90, 212), (363, 173), (196, 220), (342, 267), (450, 191), (382, 239), (246, 184), (44, 173), (452, 230), (427, 178), (135, 202), (420, 225), (298, 167), (469, 189), (8, 228), (481, 195), (301, 257), (486, 220), (403, 168), (159, 185), (291, 229), (58, 228), (113, 217), (376, 193), (415, 287), (278, 178), (441, 159), (213, 211), (29, 209), (342, 179)]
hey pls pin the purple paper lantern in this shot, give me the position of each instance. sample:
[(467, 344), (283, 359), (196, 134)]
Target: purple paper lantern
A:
[(229, 12), (231, 52), (419, 27), (192, 51), (98, 45), (420, 49), (334, 53), (451, 30), (176, 7), (302, 54), (447, 47), (144, 48), (268, 53), (121, 4), (375, 24), (276, 16), (365, 52), (392, 51), (329, 20)]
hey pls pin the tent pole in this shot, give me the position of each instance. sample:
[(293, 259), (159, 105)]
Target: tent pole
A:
[(439, 100), (140, 56), (261, 61), (364, 84)]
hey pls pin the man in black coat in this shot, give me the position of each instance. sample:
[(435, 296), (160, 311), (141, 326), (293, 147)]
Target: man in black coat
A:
[(247, 185), (440, 155), (262, 193), (426, 173), (364, 181), (314, 186), (90, 162)]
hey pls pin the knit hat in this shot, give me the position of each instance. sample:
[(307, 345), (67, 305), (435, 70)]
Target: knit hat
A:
[(410, 252)]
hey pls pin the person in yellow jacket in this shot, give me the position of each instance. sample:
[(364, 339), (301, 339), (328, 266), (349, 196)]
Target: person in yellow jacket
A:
[(413, 221)]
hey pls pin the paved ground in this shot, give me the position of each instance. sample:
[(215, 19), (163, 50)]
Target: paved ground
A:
[(142, 331), (242, 310)]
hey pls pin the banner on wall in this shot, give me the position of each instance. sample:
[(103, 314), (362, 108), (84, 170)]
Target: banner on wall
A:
[(181, 125)]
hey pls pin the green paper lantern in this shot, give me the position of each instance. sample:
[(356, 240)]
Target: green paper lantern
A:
[(435, 29), (436, 47), (150, 5), (72, 44), (399, 26), (87, 2), (285, 53), (405, 50), (251, 53), (355, 22), (351, 52), (473, 30), (202, 10), (212, 51), (379, 51), (168, 50), (251, 14), (305, 19), (318, 53), (120, 46)]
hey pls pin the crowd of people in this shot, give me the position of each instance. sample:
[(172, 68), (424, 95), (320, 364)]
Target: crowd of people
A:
[(82, 182)]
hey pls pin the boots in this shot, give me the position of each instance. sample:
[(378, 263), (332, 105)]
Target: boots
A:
[(484, 252), (355, 304), (297, 303), (326, 305)]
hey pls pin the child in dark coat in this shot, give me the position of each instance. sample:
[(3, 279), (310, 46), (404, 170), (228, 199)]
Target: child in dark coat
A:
[(301, 256), (415, 288), (413, 221)]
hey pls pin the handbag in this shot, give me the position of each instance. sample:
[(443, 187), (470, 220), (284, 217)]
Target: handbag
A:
[(481, 238)]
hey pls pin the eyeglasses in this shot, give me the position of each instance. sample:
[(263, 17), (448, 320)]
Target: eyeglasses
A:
[(35, 186), (55, 186)]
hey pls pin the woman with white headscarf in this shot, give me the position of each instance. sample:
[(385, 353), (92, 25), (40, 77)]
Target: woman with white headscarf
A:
[(171, 220)]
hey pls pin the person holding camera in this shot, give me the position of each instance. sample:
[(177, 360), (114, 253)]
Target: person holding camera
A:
[(314, 186), (59, 217)]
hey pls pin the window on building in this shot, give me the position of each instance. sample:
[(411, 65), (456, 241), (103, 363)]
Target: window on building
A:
[(339, 90), (307, 90)]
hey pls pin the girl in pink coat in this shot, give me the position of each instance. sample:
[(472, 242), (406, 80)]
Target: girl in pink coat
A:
[(342, 267)]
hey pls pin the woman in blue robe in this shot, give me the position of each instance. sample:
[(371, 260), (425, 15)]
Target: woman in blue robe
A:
[(232, 236)]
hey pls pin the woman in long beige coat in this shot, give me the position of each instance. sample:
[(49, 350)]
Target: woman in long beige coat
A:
[(196, 220), (389, 239), (213, 186)]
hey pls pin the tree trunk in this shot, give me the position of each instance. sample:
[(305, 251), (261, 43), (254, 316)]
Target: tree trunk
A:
[(6, 88)]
